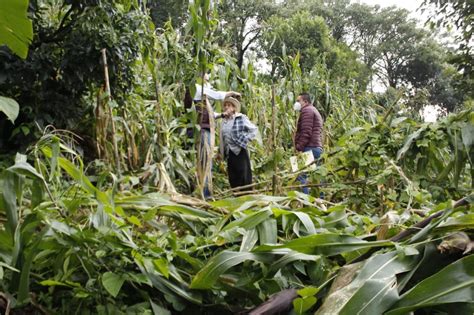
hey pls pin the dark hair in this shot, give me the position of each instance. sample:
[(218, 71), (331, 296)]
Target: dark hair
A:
[(305, 96)]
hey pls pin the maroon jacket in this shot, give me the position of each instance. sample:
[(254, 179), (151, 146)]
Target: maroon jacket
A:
[(309, 129), (203, 115)]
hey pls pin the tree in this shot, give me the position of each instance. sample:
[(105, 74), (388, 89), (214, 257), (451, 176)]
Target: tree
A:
[(63, 65), (242, 23), (162, 11), (459, 14), (309, 37), (399, 40), (447, 90), (301, 33), (334, 13)]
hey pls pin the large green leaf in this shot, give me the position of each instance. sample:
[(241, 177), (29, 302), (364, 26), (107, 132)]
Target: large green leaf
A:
[(250, 221), (8, 196), (112, 283), (409, 141), (27, 264), (249, 239), (220, 263), (462, 222), (453, 284), (23, 168), (373, 297), (288, 258), (268, 231), (306, 220), (143, 202), (166, 286), (9, 107), (16, 30), (373, 290), (79, 176), (326, 244), (186, 210), (246, 202)]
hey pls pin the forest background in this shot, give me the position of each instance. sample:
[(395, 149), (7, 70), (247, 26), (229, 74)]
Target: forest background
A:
[(104, 175)]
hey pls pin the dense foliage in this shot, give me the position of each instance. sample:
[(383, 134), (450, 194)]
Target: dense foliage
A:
[(98, 214)]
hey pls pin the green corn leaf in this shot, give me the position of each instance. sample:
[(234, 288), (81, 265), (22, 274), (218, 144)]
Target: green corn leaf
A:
[(233, 204), (268, 231), (453, 284), (374, 297), (290, 257), (166, 286), (147, 201), (373, 290), (9, 200), (186, 210), (24, 284), (249, 239), (459, 223), (306, 220), (195, 263), (250, 221), (326, 244), (222, 262)]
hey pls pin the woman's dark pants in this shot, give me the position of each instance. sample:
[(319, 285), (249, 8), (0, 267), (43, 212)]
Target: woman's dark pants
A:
[(238, 169)]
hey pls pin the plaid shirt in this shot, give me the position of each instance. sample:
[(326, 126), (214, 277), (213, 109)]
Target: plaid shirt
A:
[(243, 131)]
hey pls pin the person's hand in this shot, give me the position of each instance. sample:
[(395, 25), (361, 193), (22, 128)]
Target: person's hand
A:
[(228, 113), (234, 94)]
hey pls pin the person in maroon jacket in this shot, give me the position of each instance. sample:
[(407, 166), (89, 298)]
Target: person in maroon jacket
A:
[(309, 131)]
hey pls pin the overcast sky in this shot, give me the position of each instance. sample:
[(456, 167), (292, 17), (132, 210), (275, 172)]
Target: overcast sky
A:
[(410, 5)]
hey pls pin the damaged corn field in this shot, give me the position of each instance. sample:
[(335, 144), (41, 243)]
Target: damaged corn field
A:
[(71, 242), (100, 207)]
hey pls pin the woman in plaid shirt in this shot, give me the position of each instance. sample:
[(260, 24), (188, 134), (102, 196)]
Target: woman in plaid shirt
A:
[(236, 132)]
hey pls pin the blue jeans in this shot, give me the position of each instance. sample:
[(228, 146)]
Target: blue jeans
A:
[(303, 177)]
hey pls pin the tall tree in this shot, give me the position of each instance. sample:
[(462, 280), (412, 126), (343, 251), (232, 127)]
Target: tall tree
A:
[(162, 11), (460, 15), (398, 42), (63, 64), (310, 37), (334, 13), (429, 72), (242, 23), (301, 33)]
